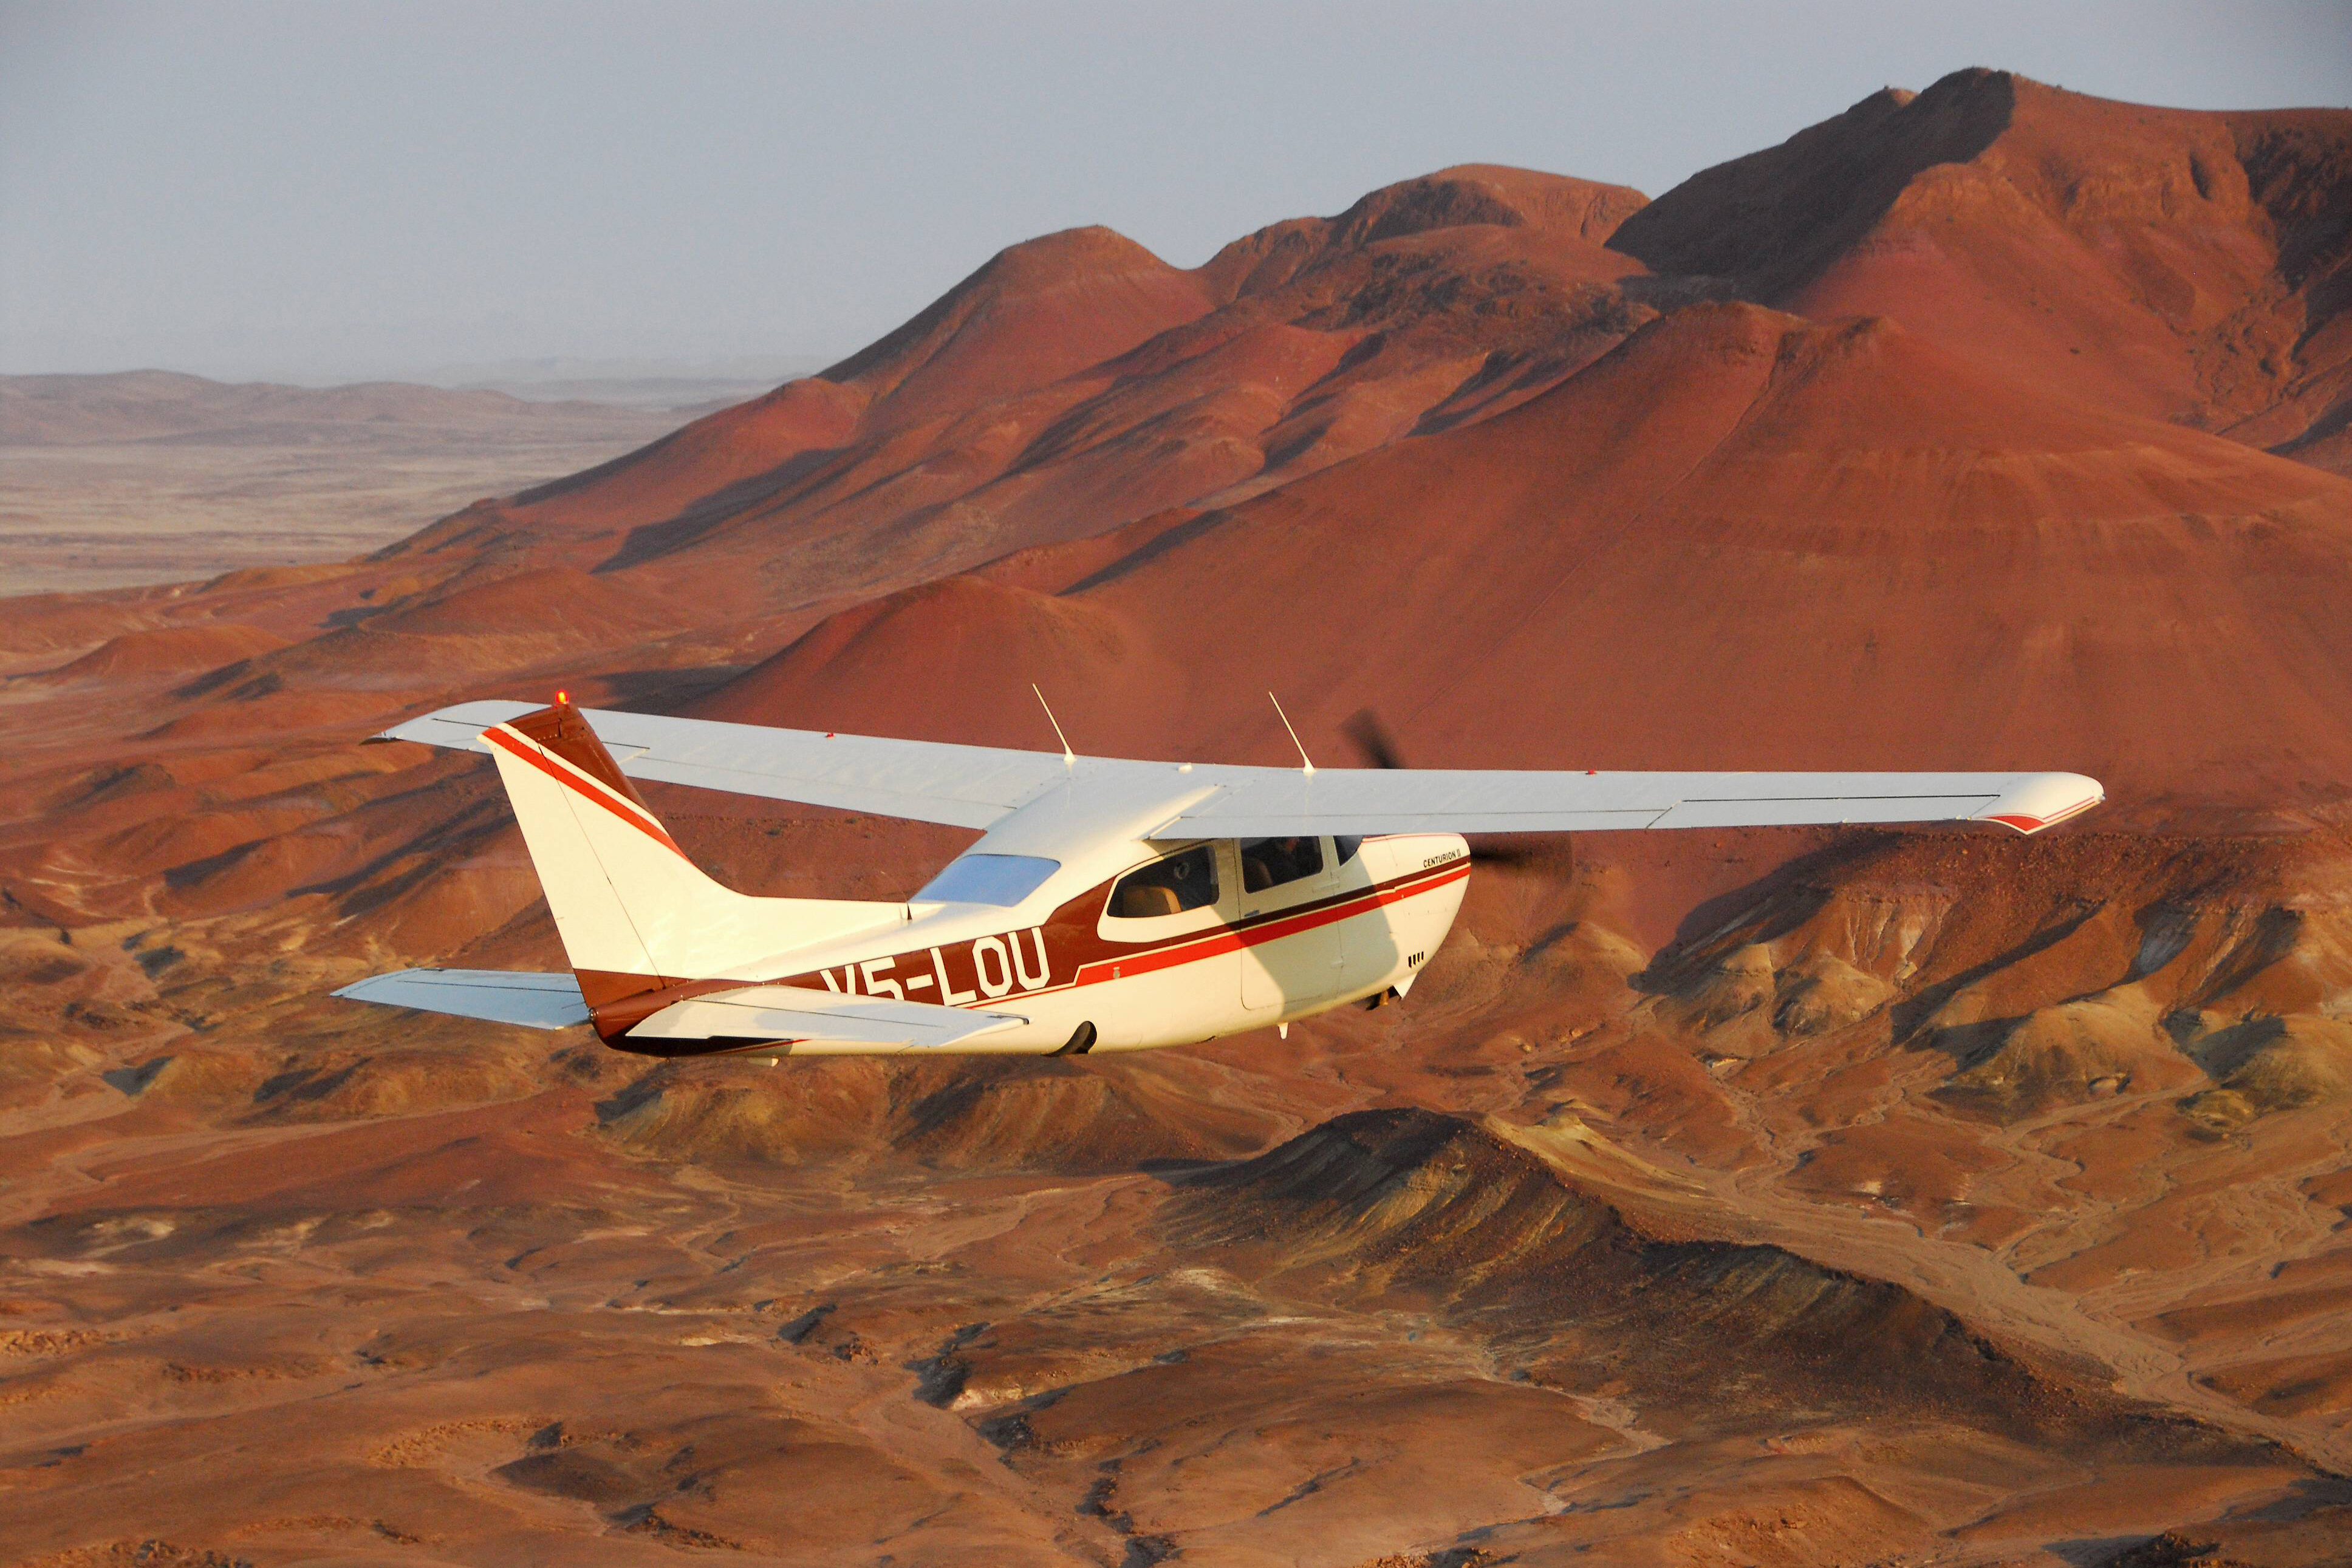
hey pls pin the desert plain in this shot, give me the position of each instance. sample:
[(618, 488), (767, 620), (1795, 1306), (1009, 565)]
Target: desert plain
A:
[(152, 476), (1772, 1198)]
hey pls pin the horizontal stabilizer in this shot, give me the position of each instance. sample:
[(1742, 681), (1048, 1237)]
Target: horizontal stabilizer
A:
[(820, 1018), (499, 996)]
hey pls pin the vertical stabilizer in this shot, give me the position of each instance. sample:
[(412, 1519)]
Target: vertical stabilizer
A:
[(635, 915)]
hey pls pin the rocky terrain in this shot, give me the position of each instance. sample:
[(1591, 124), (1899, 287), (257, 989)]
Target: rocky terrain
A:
[(1783, 1198)]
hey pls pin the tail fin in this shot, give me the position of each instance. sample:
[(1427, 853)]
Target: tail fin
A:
[(634, 914)]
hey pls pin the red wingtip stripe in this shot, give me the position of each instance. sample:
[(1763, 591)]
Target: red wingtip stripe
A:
[(2025, 823), (579, 783)]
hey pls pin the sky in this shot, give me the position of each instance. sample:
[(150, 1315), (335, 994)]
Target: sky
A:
[(323, 191)]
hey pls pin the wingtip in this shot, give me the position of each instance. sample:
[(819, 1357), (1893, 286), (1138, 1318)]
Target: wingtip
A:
[(425, 729), (458, 726), (2044, 801)]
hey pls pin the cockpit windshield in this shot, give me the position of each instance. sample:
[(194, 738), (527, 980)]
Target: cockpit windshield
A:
[(988, 879)]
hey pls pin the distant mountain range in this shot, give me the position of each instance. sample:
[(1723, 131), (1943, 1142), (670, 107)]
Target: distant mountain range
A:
[(667, 385), (150, 405)]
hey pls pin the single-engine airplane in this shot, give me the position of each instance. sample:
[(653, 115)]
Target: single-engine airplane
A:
[(1109, 904)]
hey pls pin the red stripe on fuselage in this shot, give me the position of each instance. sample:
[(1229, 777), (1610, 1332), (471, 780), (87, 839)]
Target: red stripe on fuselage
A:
[(1270, 928), (581, 784)]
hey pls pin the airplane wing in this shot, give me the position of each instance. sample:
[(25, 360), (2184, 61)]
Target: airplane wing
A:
[(978, 786), (499, 995), (929, 782), (820, 1017), (1265, 802)]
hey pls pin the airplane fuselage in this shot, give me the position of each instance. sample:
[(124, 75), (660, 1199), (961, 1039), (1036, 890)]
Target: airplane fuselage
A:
[(1089, 977)]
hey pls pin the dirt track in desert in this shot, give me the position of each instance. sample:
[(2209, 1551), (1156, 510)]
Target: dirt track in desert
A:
[(1784, 1197)]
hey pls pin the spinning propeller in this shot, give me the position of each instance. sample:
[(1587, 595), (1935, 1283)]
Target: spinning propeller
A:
[(1549, 853)]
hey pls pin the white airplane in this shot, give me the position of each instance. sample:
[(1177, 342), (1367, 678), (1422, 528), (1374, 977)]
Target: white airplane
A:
[(1108, 905)]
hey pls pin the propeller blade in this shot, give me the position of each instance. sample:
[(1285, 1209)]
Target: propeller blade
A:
[(1371, 738), (1547, 854)]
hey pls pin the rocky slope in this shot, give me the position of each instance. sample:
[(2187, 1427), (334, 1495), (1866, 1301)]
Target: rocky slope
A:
[(2186, 265)]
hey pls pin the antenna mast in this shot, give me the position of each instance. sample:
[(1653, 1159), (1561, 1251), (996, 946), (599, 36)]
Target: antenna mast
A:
[(1069, 758), (1306, 763)]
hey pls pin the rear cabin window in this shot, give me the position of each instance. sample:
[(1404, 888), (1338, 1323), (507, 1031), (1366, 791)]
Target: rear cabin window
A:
[(1346, 847), (1181, 881), (1270, 862), (1002, 880)]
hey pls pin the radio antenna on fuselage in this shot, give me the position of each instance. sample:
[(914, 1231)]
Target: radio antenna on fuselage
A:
[(1069, 758), (1306, 763)]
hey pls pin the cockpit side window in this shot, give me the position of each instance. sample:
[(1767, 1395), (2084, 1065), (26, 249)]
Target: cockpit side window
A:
[(1184, 881), (1270, 862)]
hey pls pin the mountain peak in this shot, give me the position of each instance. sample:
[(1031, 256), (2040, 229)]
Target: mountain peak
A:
[(1032, 313), (1464, 197), (1777, 215), (1497, 194), (1064, 256)]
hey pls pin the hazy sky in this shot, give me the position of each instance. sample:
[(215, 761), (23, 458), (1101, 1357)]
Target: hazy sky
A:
[(327, 191)]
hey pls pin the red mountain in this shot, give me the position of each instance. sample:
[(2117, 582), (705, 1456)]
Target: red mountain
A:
[(1741, 538), (1443, 453), (2185, 265), (1076, 382)]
